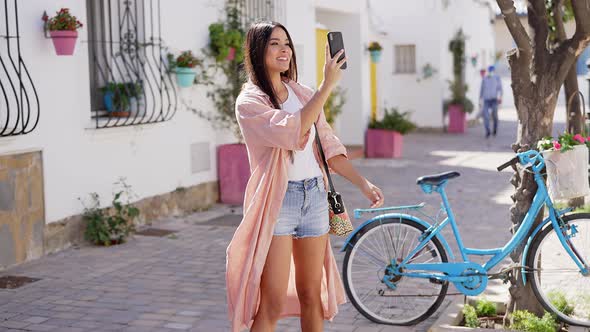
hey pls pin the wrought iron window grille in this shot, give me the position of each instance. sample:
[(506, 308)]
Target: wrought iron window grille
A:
[(130, 81), (254, 10), (19, 102)]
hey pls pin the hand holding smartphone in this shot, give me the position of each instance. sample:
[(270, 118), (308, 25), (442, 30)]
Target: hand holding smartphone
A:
[(336, 43)]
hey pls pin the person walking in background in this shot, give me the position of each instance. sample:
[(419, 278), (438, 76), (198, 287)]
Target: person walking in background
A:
[(490, 96)]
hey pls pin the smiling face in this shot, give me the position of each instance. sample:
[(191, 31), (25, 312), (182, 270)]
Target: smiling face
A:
[(278, 52)]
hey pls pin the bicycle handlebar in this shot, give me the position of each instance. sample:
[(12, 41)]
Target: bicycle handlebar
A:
[(508, 163)]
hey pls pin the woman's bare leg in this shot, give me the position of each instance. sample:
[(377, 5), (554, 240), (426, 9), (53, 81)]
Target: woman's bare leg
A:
[(308, 254), (274, 283)]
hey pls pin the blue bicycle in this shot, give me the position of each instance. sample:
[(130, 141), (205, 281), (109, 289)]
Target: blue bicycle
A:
[(396, 269)]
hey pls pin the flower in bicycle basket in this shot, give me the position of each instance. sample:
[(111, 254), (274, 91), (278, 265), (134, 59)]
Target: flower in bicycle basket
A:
[(579, 138), (564, 142), (545, 144)]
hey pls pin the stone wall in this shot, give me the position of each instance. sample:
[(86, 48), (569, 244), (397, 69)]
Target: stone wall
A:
[(64, 233), (22, 213), (25, 236)]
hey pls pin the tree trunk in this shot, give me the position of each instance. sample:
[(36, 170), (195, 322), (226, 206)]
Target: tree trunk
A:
[(537, 74), (535, 122)]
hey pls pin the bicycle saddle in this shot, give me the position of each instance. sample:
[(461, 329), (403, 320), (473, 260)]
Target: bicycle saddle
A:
[(437, 179)]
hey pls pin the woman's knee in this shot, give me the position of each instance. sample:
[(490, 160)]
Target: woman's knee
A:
[(272, 307), (309, 296)]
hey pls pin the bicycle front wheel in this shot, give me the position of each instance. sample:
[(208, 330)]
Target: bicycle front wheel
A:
[(556, 280), (379, 294)]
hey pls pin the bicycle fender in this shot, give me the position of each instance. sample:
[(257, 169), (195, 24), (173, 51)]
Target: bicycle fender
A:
[(378, 219)]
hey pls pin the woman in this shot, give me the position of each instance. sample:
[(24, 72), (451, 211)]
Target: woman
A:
[(279, 262)]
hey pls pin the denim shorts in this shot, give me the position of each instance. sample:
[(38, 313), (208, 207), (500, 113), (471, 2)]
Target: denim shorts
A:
[(304, 212)]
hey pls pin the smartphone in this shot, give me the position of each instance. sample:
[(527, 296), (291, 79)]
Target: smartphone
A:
[(336, 44)]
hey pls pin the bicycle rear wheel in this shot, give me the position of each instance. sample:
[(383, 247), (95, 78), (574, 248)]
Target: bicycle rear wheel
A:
[(555, 278), (376, 246)]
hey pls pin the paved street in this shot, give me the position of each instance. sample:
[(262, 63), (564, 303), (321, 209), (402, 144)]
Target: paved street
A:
[(177, 282)]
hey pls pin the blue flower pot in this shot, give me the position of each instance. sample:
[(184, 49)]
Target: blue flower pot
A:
[(108, 101), (185, 76), (375, 56)]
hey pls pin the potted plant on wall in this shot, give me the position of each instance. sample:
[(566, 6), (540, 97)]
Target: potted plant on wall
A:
[(334, 104), (226, 41), (184, 67), (63, 29), (384, 138), (118, 98), (224, 76), (375, 50), (457, 107)]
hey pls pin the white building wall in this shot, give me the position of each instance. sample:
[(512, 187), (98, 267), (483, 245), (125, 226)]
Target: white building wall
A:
[(300, 22), (475, 20), (78, 159), (429, 26), (342, 6), (418, 24), (352, 122)]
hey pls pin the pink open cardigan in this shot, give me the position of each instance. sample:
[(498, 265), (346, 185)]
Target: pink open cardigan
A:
[(269, 134)]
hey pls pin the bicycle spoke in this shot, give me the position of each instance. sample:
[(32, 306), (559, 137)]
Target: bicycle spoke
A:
[(556, 278), (377, 261)]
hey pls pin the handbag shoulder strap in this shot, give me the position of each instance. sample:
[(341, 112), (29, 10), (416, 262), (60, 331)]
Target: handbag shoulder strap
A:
[(321, 151)]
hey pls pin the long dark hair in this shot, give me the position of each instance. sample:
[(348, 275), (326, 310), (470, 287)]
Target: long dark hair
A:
[(254, 50)]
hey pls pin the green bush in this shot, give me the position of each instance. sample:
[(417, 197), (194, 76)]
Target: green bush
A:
[(523, 320), (485, 308), (334, 104), (110, 226), (457, 86), (122, 93), (223, 37), (470, 315), (394, 120), (375, 46), (464, 102), (559, 301)]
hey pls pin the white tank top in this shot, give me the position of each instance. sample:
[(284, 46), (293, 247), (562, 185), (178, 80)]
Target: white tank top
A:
[(305, 165)]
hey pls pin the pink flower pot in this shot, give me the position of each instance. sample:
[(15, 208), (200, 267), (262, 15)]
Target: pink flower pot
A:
[(457, 120), (382, 143), (64, 41), (233, 171), (232, 54)]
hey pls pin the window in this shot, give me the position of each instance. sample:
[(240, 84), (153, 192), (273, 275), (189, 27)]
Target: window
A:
[(253, 10), (405, 59), (19, 103), (129, 81)]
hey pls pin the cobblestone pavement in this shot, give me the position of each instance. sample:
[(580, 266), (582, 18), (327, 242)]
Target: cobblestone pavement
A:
[(177, 282)]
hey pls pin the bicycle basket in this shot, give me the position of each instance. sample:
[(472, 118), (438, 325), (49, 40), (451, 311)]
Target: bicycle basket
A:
[(567, 173)]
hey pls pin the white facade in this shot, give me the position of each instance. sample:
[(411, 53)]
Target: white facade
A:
[(350, 18), (429, 25), (154, 158)]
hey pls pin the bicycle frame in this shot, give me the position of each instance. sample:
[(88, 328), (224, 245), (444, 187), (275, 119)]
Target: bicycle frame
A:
[(455, 271)]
